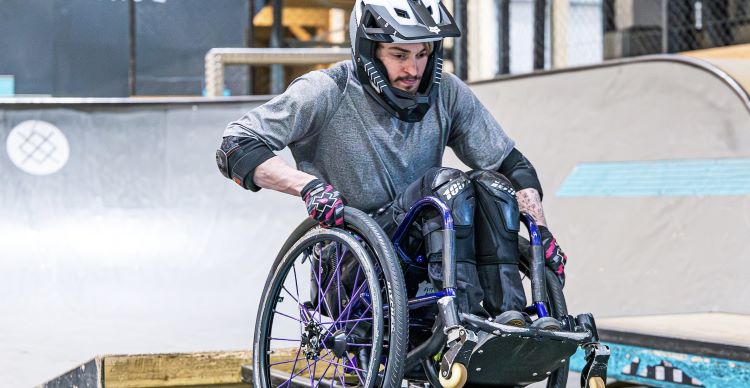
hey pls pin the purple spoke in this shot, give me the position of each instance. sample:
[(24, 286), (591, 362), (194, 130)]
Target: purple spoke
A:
[(290, 294), (348, 307), (303, 369), (335, 369), (354, 293), (359, 376), (344, 365), (312, 376), (315, 368), (341, 376), (324, 373), (288, 316), (300, 307), (321, 297), (338, 264), (292, 375), (284, 339), (285, 362), (296, 290), (308, 368), (306, 314), (327, 306), (296, 283), (369, 306), (346, 321), (354, 300), (318, 280), (337, 276), (294, 367), (338, 283)]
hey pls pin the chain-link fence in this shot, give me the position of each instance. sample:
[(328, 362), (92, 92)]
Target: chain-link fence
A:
[(546, 34)]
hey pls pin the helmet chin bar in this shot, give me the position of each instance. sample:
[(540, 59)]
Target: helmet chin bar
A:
[(408, 107)]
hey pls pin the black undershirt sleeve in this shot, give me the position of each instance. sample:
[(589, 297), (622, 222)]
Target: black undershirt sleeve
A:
[(238, 158), (520, 172)]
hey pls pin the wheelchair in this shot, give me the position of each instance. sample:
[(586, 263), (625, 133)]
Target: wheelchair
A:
[(336, 311)]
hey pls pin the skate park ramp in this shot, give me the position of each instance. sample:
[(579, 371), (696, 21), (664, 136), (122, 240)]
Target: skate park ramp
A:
[(137, 244), (646, 170), (134, 243)]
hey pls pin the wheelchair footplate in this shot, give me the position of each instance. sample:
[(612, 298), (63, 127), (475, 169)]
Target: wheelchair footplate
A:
[(510, 355)]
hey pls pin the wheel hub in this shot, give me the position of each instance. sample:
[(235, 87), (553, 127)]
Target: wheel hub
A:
[(339, 343), (312, 340)]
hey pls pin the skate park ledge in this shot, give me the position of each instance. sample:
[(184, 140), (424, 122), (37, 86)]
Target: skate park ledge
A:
[(204, 369)]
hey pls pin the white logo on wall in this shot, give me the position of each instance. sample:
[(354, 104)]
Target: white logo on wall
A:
[(37, 147)]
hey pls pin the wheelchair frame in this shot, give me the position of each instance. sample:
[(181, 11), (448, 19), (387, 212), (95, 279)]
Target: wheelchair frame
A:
[(460, 340), (456, 335)]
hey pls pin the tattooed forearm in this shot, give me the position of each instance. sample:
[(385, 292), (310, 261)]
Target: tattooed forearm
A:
[(529, 202)]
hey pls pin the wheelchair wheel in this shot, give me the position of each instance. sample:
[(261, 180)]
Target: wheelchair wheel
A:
[(328, 314), (557, 306)]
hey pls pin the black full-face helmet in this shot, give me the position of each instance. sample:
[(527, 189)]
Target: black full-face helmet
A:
[(400, 21)]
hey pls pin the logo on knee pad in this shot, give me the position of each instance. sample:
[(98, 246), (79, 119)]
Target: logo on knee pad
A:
[(503, 186), (454, 189)]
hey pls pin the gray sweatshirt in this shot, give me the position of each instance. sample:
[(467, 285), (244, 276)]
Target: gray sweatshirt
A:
[(341, 135)]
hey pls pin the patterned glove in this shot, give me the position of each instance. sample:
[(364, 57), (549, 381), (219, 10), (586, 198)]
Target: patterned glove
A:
[(553, 254), (324, 203)]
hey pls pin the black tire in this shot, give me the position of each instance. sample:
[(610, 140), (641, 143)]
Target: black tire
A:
[(384, 331), (392, 282), (557, 306)]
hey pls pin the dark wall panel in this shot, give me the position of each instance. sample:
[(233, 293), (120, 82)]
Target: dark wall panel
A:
[(91, 48), (65, 47), (26, 42), (70, 48), (173, 38)]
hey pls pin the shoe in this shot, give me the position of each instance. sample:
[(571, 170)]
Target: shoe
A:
[(511, 318)]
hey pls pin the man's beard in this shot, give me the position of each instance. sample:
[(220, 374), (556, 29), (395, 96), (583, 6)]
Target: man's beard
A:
[(416, 85)]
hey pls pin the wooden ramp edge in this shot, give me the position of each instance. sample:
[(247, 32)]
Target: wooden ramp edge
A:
[(196, 370)]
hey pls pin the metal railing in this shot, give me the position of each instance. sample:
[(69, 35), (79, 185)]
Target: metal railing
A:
[(217, 58)]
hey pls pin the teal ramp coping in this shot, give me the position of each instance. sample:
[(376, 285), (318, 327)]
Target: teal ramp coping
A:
[(7, 86), (658, 178), (656, 368)]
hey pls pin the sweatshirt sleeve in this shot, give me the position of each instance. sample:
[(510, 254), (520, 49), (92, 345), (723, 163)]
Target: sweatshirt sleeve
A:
[(306, 105), (475, 136)]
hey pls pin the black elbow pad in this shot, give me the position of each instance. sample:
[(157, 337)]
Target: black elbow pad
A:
[(520, 172), (237, 158)]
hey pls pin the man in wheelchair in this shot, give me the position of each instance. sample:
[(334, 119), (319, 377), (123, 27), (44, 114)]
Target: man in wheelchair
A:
[(370, 134)]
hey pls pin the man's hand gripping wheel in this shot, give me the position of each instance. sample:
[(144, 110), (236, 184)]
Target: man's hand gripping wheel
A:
[(324, 203)]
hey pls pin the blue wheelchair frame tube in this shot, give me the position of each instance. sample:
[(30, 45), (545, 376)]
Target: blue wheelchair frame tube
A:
[(538, 285), (538, 281), (449, 242)]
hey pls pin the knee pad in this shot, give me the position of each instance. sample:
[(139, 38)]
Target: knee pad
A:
[(455, 189), (497, 219)]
